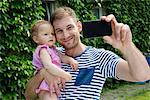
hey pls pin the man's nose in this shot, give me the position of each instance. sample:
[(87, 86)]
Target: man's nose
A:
[(66, 33)]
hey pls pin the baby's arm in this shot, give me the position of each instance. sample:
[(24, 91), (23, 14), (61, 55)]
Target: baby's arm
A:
[(52, 68), (68, 60)]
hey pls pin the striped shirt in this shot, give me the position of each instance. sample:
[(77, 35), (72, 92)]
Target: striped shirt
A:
[(95, 65)]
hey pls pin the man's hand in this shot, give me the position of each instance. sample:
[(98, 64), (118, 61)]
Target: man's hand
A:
[(55, 83), (121, 34)]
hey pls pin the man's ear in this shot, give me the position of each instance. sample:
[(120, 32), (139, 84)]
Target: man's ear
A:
[(35, 39), (79, 25)]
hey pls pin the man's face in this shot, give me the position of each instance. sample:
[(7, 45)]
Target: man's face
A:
[(67, 32)]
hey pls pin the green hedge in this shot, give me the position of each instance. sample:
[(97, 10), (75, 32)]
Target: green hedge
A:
[(16, 19), (14, 72), (16, 45)]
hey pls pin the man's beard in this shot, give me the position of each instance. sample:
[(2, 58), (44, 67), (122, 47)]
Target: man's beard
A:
[(71, 46)]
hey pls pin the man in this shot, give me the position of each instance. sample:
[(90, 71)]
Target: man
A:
[(95, 65)]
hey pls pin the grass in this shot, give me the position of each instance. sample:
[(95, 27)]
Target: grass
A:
[(141, 95), (128, 92)]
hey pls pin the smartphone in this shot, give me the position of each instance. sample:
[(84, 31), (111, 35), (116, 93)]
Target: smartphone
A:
[(96, 28)]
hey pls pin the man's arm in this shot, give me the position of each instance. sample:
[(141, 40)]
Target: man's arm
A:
[(135, 68), (35, 81), (32, 85)]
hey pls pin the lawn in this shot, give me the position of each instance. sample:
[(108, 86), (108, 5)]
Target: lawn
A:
[(128, 92), (145, 95)]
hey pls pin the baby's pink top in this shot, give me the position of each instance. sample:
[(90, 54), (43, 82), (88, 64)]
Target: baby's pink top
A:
[(38, 63), (52, 52)]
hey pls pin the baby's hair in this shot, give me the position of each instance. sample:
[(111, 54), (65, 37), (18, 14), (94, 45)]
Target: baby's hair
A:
[(34, 28)]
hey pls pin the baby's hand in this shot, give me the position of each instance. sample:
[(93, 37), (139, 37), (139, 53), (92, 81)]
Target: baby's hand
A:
[(73, 63), (68, 60)]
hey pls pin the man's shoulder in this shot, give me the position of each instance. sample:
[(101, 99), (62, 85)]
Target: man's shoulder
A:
[(98, 50)]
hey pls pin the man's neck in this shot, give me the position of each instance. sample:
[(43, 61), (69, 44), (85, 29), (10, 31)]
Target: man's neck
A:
[(79, 49)]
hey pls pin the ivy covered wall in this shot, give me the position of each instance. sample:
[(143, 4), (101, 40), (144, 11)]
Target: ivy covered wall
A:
[(16, 45)]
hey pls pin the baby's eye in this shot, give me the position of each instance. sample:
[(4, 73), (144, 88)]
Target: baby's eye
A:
[(53, 33), (45, 34)]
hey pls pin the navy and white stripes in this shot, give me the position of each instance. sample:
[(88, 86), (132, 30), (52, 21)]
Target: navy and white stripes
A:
[(95, 65)]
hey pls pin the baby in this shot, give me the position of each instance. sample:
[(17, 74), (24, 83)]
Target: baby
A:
[(47, 56)]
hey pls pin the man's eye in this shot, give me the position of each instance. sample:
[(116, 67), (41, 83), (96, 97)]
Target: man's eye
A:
[(45, 34), (70, 27), (58, 31)]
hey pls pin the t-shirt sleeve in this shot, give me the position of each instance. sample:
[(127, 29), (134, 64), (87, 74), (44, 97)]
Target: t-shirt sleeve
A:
[(109, 61), (112, 65)]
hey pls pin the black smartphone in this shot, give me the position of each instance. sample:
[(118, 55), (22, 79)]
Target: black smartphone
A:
[(96, 28)]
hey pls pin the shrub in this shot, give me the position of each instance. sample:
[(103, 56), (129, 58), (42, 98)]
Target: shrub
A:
[(16, 45), (14, 72)]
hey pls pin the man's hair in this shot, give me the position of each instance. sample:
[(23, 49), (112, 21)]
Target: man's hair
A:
[(35, 26), (62, 12)]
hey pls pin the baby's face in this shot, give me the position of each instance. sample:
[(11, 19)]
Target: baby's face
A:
[(46, 35)]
